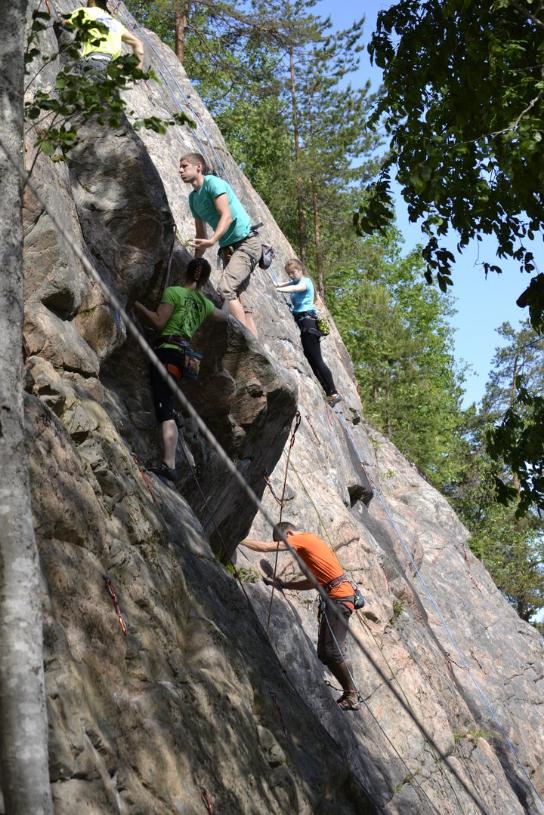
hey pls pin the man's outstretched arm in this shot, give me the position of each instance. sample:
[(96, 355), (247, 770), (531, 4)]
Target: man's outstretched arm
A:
[(292, 585), (263, 546)]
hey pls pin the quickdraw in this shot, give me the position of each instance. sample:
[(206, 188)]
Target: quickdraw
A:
[(115, 601), (281, 502)]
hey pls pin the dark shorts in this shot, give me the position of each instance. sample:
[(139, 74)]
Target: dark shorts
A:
[(163, 398), (332, 635)]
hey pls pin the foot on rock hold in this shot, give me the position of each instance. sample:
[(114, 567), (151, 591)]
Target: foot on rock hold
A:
[(333, 399), (165, 471), (349, 700)]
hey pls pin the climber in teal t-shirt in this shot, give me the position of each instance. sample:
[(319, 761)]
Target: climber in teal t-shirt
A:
[(203, 206), (181, 312), (213, 201)]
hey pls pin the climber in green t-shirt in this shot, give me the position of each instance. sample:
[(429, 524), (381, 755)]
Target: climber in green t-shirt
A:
[(106, 42), (182, 310)]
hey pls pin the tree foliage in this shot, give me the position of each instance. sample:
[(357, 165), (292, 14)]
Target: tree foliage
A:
[(465, 128), (511, 547), (515, 405), (466, 143), (296, 127), (396, 330), (281, 95)]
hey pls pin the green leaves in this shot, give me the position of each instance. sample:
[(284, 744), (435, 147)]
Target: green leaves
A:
[(161, 125), (533, 299), (395, 328), (467, 127)]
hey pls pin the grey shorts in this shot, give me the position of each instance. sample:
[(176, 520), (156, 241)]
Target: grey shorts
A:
[(235, 276)]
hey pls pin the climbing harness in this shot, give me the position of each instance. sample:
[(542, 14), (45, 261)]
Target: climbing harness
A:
[(191, 358), (236, 475), (356, 598), (298, 419), (111, 591)]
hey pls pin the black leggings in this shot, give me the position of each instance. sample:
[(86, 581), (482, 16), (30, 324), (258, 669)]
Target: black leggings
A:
[(163, 397), (312, 352)]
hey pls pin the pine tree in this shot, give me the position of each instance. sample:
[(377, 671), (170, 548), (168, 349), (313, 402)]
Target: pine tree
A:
[(397, 332)]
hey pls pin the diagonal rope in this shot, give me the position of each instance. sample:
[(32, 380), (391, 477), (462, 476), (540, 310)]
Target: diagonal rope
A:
[(411, 775), (214, 444), (244, 592), (430, 597)]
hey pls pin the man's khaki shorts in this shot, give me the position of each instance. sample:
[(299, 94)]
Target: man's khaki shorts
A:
[(234, 279)]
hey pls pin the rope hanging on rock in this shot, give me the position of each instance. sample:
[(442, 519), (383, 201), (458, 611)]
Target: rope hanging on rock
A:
[(120, 616), (394, 677), (298, 419), (432, 600)]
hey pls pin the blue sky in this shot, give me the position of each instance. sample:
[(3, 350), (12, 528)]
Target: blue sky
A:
[(482, 305)]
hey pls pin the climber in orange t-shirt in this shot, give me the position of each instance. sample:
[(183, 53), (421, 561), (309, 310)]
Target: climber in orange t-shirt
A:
[(324, 565)]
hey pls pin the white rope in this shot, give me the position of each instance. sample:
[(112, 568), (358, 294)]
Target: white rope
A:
[(428, 593)]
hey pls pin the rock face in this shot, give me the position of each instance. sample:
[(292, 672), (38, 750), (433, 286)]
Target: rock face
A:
[(202, 706)]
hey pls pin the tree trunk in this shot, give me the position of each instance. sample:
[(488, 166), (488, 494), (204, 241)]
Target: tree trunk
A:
[(182, 13), (24, 773), (301, 218), (317, 243)]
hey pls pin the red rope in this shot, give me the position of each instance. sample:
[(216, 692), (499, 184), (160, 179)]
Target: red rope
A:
[(298, 419), (115, 602), (205, 795)]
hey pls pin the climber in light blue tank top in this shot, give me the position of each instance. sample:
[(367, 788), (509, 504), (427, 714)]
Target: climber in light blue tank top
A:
[(300, 288), (303, 300)]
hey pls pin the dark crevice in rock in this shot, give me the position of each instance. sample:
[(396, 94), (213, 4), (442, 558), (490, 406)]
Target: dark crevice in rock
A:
[(61, 303)]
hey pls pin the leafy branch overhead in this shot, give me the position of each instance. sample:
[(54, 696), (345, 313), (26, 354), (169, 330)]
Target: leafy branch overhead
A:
[(79, 95), (466, 128)]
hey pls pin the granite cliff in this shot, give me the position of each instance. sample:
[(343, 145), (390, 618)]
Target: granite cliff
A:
[(202, 706)]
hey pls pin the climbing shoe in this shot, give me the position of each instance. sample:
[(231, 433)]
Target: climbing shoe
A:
[(349, 700), (165, 472), (334, 399)]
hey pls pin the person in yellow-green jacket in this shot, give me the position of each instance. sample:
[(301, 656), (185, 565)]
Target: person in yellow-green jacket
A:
[(106, 43)]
